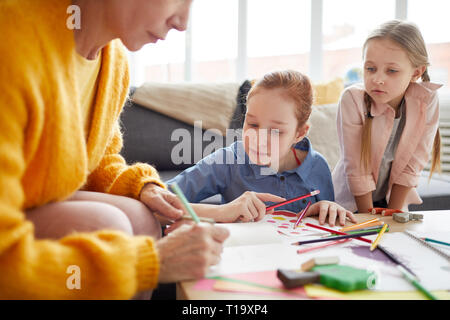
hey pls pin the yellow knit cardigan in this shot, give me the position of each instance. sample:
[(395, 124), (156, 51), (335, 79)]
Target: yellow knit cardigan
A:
[(45, 157)]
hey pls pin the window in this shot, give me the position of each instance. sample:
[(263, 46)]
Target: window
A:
[(214, 40), (278, 35), (432, 19), (160, 62), (346, 25), (231, 40)]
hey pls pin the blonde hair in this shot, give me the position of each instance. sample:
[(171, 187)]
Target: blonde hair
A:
[(297, 87), (407, 35)]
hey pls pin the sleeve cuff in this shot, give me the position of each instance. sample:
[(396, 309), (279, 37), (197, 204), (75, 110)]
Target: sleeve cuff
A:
[(147, 267), (132, 180), (408, 180), (361, 185)]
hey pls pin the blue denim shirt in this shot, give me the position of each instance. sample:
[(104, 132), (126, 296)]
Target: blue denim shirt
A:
[(229, 172)]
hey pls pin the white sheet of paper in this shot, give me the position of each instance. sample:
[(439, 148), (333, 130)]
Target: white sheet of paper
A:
[(258, 246)]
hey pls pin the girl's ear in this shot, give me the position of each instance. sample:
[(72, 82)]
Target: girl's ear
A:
[(418, 72), (302, 132)]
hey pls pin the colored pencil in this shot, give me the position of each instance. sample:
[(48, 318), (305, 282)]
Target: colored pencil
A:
[(380, 234), (368, 223), (436, 241), (383, 250), (302, 214), (311, 194), (376, 228), (335, 231), (202, 219), (415, 282), (332, 243), (368, 233), (174, 186)]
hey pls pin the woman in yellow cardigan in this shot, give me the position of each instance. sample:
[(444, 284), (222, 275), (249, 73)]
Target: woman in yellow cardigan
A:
[(61, 177)]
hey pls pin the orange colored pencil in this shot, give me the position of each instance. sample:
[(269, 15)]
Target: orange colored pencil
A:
[(365, 224)]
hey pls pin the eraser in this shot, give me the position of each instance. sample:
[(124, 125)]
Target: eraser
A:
[(401, 217), (346, 278), (292, 279), (415, 216), (319, 261)]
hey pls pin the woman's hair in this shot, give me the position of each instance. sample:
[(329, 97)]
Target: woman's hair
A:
[(407, 35), (296, 86)]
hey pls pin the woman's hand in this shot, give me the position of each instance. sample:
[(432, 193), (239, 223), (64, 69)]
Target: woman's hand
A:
[(188, 252), (162, 201), (332, 210)]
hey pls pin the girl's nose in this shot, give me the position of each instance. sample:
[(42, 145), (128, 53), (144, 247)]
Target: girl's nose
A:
[(378, 81)]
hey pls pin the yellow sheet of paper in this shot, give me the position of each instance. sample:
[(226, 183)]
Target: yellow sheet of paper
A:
[(317, 291)]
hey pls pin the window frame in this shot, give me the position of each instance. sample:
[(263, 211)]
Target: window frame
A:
[(316, 45)]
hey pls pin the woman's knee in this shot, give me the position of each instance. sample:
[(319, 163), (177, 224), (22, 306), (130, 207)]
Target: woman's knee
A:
[(142, 219), (59, 219)]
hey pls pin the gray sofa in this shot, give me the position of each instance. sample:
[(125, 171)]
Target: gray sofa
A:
[(147, 138)]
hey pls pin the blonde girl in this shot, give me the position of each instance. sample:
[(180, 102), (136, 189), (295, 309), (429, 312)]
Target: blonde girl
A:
[(388, 126)]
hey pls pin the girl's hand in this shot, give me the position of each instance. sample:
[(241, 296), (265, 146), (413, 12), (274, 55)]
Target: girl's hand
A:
[(332, 210), (248, 207)]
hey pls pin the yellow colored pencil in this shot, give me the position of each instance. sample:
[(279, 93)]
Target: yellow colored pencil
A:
[(365, 224), (375, 243)]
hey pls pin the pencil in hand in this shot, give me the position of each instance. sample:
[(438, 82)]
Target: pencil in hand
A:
[(202, 219), (311, 194), (175, 188)]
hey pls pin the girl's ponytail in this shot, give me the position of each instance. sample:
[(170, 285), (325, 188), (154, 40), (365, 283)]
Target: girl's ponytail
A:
[(436, 154), (366, 137)]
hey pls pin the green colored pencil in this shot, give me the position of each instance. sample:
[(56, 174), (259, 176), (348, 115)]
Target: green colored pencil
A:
[(413, 280), (183, 199), (368, 229), (436, 241), (377, 228)]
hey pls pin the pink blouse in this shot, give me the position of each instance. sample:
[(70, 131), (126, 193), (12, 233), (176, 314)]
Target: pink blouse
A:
[(413, 151)]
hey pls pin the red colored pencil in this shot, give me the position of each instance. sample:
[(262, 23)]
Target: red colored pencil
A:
[(313, 193), (302, 214), (336, 232)]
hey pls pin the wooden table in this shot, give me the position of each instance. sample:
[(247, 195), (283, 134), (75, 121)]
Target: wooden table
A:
[(432, 221)]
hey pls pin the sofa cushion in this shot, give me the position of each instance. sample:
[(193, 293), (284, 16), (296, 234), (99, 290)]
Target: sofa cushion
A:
[(211, 103), (328, 92), (154, 138), (323, 132)]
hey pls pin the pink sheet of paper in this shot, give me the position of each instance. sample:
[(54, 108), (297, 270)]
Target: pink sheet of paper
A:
[(205, 284), (265, 278)]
